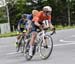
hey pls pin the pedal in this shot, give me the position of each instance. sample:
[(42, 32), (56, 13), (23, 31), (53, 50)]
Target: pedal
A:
[(45, 46)]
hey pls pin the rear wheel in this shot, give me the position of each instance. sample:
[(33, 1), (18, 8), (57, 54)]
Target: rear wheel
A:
[(45, 52), (20, 46)]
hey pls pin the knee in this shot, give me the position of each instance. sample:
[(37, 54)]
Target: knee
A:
[(18, 37), (34, 35)]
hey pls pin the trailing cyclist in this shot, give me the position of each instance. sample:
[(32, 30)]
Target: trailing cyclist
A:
[(21, 28)]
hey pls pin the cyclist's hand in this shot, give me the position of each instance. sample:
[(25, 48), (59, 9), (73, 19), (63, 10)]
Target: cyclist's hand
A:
[(19, 30), (38, 25), (41, 27), (54, 31), (24, 31)]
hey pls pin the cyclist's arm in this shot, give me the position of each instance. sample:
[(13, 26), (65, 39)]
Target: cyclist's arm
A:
[(18, 27), (50, 24), (36, 22), (40, 26), (28, 25)]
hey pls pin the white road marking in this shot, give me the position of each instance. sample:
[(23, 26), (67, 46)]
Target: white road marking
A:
[(65, 41), (13, 53), (2, 46), (64, 44), (69, 37), (56, 45), (73, 36)]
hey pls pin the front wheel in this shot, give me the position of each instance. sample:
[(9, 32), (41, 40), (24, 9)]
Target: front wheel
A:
[(21, 46), (45, 52)]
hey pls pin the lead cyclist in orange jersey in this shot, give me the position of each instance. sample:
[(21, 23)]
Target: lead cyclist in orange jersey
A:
[(37, 22)]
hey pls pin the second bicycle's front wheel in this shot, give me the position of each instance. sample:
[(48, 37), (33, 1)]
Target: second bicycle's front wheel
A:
[(45, 52), (22, 47)]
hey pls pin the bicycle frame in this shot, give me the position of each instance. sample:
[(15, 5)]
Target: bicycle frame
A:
[(38, 44), (41, 37), (38, 40)]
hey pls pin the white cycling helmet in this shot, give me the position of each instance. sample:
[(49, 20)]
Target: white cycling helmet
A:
[(47, 8)]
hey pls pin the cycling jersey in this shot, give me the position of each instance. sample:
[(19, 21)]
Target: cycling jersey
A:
[(29, 20), (40, 17), (22, 24), (29, 16)]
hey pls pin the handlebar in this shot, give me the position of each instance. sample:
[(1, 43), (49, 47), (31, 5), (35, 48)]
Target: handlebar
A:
[(54, 32)]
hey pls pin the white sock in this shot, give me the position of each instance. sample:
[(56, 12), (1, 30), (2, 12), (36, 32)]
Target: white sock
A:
[(16, 40), (30, 50)]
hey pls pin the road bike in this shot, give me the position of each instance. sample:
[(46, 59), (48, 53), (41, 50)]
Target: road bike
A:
[(42, 38), (21, 44)]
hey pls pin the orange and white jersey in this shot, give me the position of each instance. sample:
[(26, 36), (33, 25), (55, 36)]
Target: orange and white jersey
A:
[(40, 17)]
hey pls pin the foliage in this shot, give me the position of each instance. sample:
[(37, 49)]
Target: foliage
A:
[(3, 18), (59, 14)]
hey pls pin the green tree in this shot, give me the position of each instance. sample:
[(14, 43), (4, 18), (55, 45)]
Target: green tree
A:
[(59, 13)]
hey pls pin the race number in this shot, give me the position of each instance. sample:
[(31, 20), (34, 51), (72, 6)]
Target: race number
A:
[(46, 23)]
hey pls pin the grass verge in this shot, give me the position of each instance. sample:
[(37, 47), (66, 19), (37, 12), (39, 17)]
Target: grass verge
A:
[(58, 27), (8, 34)]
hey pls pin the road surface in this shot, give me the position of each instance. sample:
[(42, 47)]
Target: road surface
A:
[(63, 51)]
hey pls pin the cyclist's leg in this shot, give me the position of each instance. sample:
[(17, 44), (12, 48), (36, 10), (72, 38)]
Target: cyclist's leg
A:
[(17, 38), (32, 41), (19, 33)]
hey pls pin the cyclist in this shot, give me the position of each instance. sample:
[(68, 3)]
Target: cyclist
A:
[(29, 20), (37, 22), (21, 27)]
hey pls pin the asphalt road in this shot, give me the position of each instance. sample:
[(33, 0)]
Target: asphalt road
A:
[(63, 51)]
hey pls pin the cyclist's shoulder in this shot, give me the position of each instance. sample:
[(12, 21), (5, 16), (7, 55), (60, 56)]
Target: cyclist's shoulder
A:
[(20, 21), (40, 13), (29, 16)]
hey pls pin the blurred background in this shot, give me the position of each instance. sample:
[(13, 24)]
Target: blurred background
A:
[(11, 10)]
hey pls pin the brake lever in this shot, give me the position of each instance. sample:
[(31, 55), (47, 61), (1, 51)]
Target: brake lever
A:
[(54, 32)]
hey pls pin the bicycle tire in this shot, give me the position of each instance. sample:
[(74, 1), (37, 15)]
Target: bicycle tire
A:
[(18, 47), (22, 46), (50, 51)]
